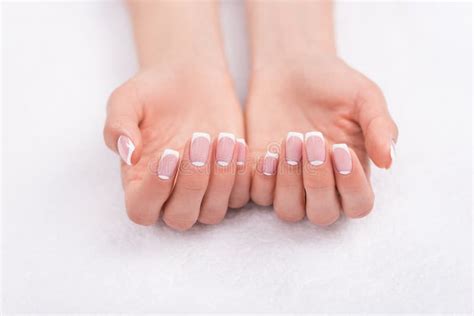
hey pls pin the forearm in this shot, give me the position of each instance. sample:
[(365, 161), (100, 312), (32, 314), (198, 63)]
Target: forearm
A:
[(289, 29), (176, 31)]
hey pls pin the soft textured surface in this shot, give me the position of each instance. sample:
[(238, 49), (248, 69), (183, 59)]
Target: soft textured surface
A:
[(68, 246)]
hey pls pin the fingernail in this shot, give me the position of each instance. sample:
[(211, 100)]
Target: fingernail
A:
[(393, 152), (315, 148), (168, 163), (125, 148), (342, 158), (270, 162), (294, 146), (199, 150), (225, 149), (242, 151)]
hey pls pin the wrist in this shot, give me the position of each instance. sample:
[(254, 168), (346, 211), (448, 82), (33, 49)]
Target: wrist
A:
[(289, 31), (177, 33)]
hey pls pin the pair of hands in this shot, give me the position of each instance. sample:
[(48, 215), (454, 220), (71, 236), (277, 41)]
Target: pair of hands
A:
[(151, 118)]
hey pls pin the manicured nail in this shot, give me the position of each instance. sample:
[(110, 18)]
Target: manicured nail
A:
[(270, 162), (315, 148), (242, 151), (125, 148), (393, 152), (225, 149), (199, 150), (342, 158), (168, 163), (294, 147)]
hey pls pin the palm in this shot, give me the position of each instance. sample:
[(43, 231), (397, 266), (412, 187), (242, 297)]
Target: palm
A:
[(321, 97), (174, 107)]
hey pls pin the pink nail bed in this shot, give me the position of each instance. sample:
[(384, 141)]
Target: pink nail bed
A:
[(315, 148), (242, 151), (294, 147), (270, 162), (342, 158), (125, 148), (225, 149), (168, 163), (199, 149)]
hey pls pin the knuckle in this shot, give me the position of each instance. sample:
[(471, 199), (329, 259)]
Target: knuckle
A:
[(193, 186)]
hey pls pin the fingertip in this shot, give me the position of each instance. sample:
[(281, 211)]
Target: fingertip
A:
[(380, 142)]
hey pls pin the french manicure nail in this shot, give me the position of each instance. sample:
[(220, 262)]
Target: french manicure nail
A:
[(242, 151), (225, 149), (168, 163), (342, 158), (393, 152), (199, 149), (294, 147), (125, 148), (315, 148), (270, 162)]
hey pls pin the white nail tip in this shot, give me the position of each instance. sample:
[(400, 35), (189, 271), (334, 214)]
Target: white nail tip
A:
[(170, 152), (268, 174), (269, 154), (393, 151), (239, 163), (292, 163), (199, 135), (198, 163), (340, 146), (294, 134), (223, 163), (344, 172), (313, 134), (316, 162), (162, 177), (242, 141), (226, 135)]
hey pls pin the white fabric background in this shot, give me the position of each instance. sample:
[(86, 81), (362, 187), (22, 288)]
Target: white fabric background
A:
[(68, 246)]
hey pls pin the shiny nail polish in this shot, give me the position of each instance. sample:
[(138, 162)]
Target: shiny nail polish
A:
[(342, 158), (168, 163), (225, 149), (125, 148), (315, 148), (199, 149)]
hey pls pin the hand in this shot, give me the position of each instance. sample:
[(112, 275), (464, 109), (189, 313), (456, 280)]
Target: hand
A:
[(317, 93), (150, 121)]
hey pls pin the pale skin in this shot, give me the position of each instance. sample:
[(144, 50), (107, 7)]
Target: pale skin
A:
[(297, 84)]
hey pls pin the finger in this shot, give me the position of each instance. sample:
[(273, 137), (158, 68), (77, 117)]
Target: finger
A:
[(181, 210), (121, 131), (147, 191), (289, 201), (264, 178), (240, 194), (216, 200), (353, 186), (380, 131), (322, 202)]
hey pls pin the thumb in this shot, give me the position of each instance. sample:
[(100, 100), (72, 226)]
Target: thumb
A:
[(380, 131), (121, 132)]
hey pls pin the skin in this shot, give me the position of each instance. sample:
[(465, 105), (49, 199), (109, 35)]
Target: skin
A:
[(306, 87), (297, 84), (183, 86)]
